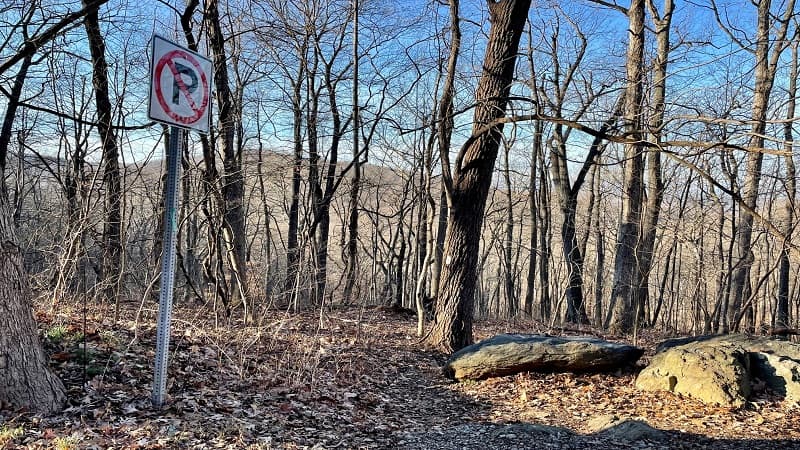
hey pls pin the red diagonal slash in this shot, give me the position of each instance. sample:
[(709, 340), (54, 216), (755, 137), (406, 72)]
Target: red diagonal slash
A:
[(181, 84)]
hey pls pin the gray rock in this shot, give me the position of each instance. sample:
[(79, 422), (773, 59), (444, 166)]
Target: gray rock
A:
[(719, 369), (626, 430), (716, 373), (780, 372), (507, 354)]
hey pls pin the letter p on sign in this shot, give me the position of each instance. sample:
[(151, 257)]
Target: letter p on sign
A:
[(180, 86)]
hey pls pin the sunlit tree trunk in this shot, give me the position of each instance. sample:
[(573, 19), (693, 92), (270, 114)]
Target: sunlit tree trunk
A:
[(782, 310), (765, 69), (655, 182), (622, 294), (472, 177)]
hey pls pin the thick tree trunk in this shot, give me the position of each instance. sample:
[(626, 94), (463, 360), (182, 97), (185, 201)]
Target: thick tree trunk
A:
[(112, 227), (472, 177), (25, 380), (625, 266)]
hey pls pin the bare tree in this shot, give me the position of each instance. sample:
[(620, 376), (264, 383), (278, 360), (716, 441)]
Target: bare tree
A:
[(655, 182), (468, 185), (628, 234), (112, 225), (769, 47), (782, 310), (233, 178)]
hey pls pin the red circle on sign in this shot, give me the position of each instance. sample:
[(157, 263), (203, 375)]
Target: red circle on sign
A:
[(168, 61)]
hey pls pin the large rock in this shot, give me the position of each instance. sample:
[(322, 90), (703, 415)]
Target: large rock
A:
[(712, 373), (507, 354), (720, 369)]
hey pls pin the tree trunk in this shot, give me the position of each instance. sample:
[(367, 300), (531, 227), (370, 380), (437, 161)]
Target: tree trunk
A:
[(112, 227), (512, 303), (655, 182), (292, 245), (351, 250), (233, 178), (782, 310), (472, 177), (765, 68), (600, 250), (625, 266), (530, 290), (26, 380), (568, 204), (545, 239)]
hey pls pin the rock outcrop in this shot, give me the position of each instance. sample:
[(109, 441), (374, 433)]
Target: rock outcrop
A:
[(720, 369), (507, 354)]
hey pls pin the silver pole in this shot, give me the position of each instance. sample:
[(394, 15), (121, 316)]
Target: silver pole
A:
[(176, 139)]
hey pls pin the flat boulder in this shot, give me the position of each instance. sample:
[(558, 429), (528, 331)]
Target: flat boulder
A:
[(720, 369), (507, 354)]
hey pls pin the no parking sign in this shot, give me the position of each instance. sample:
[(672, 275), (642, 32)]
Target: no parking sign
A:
[(180, 96), (180, 86)]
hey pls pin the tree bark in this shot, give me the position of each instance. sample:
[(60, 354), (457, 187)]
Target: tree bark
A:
[(112, 227), (472, 177), (233, 178), (765, 69), (782, 310), (622, 293), (655, 182), (25, 380), (351, 250)]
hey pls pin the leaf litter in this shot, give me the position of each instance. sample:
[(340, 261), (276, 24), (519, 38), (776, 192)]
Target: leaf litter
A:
[(350, 378)]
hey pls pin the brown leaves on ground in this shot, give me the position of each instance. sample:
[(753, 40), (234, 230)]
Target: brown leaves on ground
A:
[(346, 379)]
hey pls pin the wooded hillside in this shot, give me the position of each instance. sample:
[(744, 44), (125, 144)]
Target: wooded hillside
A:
[(627, 169)]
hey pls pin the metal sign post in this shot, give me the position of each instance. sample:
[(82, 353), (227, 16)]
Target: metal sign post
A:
[(180, 96), (176, 140)]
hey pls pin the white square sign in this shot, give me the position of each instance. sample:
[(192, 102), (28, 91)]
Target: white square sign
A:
[(180, 86)]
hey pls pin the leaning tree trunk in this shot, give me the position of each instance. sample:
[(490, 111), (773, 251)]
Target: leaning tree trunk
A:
[(625, 265), (472, 178)]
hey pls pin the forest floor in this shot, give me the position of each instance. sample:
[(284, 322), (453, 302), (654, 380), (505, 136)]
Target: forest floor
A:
[(355, 378)]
